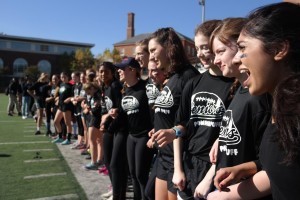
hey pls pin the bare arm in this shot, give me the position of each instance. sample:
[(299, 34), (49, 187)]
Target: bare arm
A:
[(230, 175), (203, 187), (255, 187), (179, 179)]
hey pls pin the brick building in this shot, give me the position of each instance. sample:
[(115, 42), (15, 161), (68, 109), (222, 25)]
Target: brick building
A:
[(127, 47), (17, 53)]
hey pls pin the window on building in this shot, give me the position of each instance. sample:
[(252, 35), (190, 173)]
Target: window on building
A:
[(44, 48), (122, 52), (44, 66), (19, 66), (1, 64)]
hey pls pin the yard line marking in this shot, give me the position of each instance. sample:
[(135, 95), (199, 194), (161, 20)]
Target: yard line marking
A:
[(67, 196), (35, 142), (45, 175), (34, 135), (35, 150), (41, 160)]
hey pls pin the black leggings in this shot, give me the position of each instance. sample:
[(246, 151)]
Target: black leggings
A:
[(79, 125), (116, 161), (139, 162)]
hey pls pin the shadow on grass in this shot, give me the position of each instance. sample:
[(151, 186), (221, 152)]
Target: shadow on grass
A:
[(4, 155)]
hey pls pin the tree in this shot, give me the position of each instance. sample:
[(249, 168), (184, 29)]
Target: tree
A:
[(107, 55), (32, 72), (83, 59)]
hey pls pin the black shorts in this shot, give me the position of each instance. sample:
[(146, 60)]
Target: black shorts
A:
[(195, 170), (94, 122), (165, 171), (40, 104), (66, 107)]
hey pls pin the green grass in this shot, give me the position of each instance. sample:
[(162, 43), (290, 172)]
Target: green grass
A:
[(13, 169)]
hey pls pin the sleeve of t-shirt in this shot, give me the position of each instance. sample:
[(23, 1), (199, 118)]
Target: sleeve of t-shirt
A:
[(259, 124), (183, 113)]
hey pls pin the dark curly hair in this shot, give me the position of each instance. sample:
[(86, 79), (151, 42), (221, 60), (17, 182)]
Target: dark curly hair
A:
[(286, 113)]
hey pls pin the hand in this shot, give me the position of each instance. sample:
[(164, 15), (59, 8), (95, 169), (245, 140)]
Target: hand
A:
[(164, 137), (179, 179), (227, 176), (214, 152), (150, 143), (113, 112), (151, 133)]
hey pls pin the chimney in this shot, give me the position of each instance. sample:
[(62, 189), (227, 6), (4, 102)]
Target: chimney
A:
[(130, 26)]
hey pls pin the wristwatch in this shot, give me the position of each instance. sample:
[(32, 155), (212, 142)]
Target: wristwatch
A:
[(178, 132)]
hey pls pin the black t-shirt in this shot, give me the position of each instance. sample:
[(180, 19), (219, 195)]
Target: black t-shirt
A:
[(135, 105), (242, 128), (38, 88), (65, 91), (167, 103), (152, 92), (113, 97), (77, 87), (284, 178), (25, 86), (204, 101), (94, 102)]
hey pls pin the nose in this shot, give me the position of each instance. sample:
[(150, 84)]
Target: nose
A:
[(200, 53), (151, 56), (217, 60), (237, 58)]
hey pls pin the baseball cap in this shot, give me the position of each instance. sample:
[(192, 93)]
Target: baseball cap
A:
[(128, 62)]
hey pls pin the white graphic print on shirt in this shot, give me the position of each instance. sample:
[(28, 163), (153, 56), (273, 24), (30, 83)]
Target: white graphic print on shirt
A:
[(62, 89), (165, 100), (229, 134), (207, 109), (108, 102), (152, 92), (130, 105)]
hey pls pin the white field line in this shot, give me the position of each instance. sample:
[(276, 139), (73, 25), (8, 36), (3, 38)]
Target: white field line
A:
[(62, 197), (35, 142), (45, 175), (35, 150), (41, 160), (34, 135)]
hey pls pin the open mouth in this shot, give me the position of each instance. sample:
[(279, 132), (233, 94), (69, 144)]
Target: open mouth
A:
[(245, 77)]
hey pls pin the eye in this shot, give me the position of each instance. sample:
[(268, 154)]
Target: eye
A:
[(240, 47)]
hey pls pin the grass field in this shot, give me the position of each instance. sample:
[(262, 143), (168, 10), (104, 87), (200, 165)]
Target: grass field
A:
[(22, 155)]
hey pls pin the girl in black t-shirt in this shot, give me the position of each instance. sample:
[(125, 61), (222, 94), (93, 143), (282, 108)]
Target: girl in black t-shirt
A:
[(167, 52), (37, 92), (94, 109), (135, 105), (65, 108), (115, 131)]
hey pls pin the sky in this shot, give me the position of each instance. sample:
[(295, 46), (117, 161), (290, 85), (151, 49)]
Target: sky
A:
[(104, 22)]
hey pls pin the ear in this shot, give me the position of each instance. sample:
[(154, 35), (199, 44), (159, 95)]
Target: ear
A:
[(282, 51)]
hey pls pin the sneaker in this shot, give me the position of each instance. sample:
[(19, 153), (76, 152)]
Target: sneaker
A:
[(88, 157), (66, 142), (24, 117), (49, 133), (106, 195), (91, 166), (57, 140), (101, 169), (78, 146), (84, 152), (37, 133), (10, 114)]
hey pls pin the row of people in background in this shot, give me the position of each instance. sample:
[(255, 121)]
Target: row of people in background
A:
[(192, 129)]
